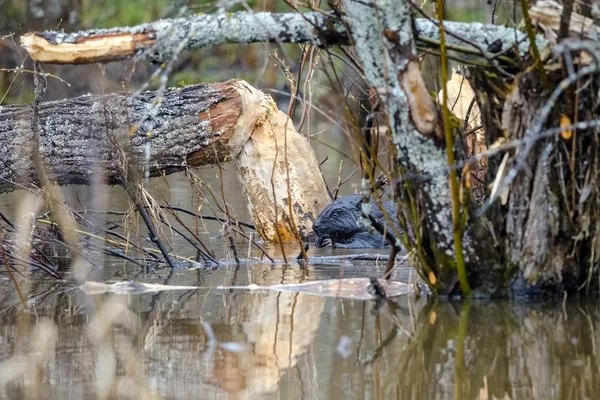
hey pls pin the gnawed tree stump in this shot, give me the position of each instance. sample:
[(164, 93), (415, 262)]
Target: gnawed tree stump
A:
[(263, 173), (165, 133)]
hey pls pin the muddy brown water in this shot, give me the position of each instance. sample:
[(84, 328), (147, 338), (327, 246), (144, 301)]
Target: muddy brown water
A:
[(240, 344)]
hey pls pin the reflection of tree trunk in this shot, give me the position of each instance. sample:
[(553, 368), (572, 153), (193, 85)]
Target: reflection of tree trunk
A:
[(281, 329), (462, 384), (503, 350)]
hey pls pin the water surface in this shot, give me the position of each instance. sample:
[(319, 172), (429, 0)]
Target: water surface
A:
[(240, 344)]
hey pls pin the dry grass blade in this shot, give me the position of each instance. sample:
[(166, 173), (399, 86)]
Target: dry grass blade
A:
[(10, 274), (454, 185)]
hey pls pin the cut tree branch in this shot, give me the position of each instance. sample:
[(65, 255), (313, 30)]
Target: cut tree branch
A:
[(162, 40), (79, 133), (165, 133)]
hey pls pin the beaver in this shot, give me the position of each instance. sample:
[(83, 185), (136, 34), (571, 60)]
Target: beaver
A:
[(337, 224)]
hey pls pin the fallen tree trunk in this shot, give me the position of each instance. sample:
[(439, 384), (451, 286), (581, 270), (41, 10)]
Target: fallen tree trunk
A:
[(190, 127), (165, 133)]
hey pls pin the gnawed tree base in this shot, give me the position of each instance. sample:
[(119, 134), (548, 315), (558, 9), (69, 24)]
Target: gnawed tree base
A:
[(274, 154), (540, 237), (165, 133)]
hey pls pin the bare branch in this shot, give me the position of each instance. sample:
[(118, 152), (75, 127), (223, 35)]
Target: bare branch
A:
[(160, 40)]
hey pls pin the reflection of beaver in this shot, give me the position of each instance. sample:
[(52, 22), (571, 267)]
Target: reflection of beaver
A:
[(337, 224)]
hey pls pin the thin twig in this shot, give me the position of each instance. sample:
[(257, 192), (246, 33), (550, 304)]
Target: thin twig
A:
[(10, 274), (154, 238)]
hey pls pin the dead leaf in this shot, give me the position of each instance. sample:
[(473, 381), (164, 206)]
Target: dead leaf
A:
[(432, 317), (460, 95), (564, 122)]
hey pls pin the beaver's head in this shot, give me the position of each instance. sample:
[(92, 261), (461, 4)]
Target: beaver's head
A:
[(337, 223)]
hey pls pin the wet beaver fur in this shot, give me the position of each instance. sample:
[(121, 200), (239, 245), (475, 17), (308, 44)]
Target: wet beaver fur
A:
[(337, 225)]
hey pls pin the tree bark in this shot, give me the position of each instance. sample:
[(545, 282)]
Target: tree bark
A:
[(191, 126), (384, 42)]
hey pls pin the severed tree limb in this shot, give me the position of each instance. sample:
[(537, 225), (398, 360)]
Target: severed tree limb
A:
[(192, 126), (78, 133), (162, 40)]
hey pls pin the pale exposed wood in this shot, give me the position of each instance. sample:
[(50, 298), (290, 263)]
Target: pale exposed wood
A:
[(546, 14), (460, 100), (263, 159), (422, 110), (94, 48), (164, 39)]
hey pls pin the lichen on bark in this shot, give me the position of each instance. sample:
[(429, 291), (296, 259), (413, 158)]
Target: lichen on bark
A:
[(385, 59), (77, 133)]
